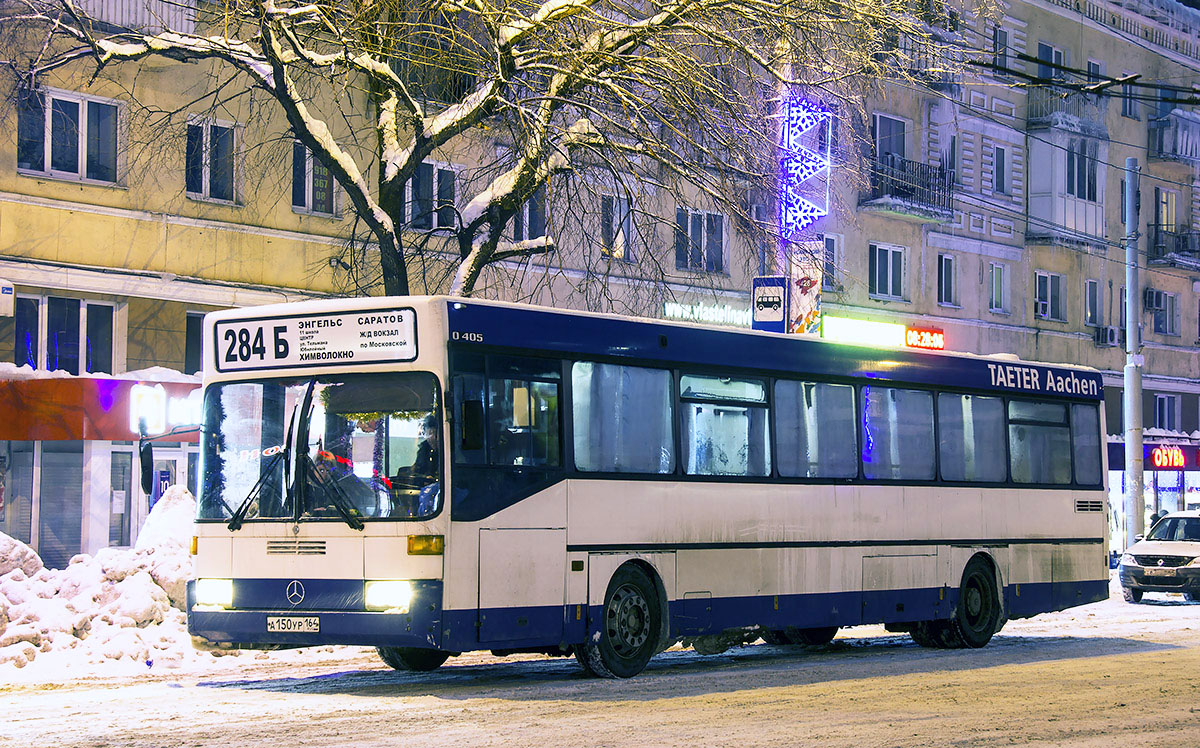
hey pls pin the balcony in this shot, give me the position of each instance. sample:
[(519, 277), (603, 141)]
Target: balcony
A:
[(1175, 137), (1050, 107), (937, 63), (1173, 245), (908, 189), (148, 16)]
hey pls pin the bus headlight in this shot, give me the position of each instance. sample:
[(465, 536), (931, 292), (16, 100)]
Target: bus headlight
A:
[(214, 593), (391, 595)]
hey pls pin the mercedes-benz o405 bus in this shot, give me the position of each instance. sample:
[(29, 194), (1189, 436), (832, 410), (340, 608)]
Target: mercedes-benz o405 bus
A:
[(433, 475)]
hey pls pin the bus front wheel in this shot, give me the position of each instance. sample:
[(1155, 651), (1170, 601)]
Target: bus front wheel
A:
[(630, 623), (411, 658)]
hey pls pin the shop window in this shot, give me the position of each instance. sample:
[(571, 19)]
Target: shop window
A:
[(60, 502), (67, 135), (210, 165), (63, 334), (120, 518), (16, 490)]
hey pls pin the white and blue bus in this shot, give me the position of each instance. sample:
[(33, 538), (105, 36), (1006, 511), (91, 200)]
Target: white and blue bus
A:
[(432, 475)]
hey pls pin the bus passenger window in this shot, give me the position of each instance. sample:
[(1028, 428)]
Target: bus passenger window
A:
[(969, 428), (523, 428), (812, 423), (897, 434), (723, 433), (622, 417), (1039, 442), (1085, 441)]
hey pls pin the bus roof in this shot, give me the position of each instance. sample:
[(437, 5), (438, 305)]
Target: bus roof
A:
[(605, 335)]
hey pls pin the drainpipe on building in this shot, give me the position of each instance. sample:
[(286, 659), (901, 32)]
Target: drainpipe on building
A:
[(1135, 501)]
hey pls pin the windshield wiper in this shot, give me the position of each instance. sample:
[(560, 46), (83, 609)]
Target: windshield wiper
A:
[(235, 522), (338, 498), (239, 515)]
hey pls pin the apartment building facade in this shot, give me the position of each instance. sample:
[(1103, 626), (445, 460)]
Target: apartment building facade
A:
[(999, 196)]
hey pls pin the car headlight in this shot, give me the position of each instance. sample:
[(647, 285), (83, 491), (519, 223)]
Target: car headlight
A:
[(391, 595), (1194, 561), (214, 593), (1128, 560)]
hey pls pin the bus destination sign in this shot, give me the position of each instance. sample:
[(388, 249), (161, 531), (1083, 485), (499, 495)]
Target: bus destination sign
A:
[(364, 337)]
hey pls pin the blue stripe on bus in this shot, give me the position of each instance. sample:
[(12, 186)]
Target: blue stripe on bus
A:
[(553, 625), (582, 335)]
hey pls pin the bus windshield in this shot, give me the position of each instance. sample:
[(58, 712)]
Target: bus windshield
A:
[(369, 444)]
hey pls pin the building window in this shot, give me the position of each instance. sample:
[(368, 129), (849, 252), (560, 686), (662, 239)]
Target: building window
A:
[(1050, 62), (1164, 208), (946, 289), (193, 343), (210, 167), (56, 333), (829, 263), (312, 184), (1129, 105), (1048, 297), (950, 159), (530, 220), (998, 288), (1166, 320), (1000, 50), (1081, 168), (1166, 412), (699, 241), (67, 135), (889, 139), (616, 227), (428, 209), (1095, 71), (1091, 302), (1000, 170), (1121, 321), (885, 271)]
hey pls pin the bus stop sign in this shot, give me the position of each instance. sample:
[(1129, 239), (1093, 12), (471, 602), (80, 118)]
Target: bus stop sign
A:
[(769, 303)]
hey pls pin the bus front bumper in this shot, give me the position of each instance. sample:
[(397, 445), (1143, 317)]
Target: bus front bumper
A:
[(419, 627)]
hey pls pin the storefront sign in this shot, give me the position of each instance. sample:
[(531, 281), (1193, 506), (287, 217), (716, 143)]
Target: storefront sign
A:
[(328, 339), (716, 314), (1158, 456)]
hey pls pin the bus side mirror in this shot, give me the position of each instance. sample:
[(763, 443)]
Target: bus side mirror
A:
[(146, 460), (472, 424)]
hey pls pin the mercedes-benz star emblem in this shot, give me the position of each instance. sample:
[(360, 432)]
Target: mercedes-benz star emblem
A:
[(295, 592)]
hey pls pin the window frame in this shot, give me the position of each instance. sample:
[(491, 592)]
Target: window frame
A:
[(409, 219), (1169, 316), (1129, 104), (1000, 170), (523, 213), (831, 260), (947, 280), (999, 50), (1093, 312), (704, 215), (43, 330), (1172, 402), (893, 251), (206, 125), (48, 94), (1003, 307), (1056, 308), (610, 233), (310, 162)]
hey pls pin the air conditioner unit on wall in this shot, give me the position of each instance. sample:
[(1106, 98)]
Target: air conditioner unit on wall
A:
[(1041, 308), (1107, 336)]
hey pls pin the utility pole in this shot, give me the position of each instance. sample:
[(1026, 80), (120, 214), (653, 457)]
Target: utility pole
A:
[(1135, 502)]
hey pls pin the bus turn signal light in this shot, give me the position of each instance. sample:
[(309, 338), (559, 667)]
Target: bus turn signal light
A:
[(426, 545), (195, 542)]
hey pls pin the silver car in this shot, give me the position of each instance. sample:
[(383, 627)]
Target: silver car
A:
[(1167, 559)]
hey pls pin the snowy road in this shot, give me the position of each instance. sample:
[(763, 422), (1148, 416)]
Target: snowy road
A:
[(1110, 674)]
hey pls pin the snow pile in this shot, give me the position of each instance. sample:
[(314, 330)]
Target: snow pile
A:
[(119, 605)]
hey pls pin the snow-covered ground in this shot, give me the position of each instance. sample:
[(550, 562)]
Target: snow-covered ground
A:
[(120, 613)]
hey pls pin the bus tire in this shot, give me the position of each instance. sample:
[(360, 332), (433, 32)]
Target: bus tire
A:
[(411, 658), (775, 638), (978, 614), (811, 637), (630, 625), (928, 634)]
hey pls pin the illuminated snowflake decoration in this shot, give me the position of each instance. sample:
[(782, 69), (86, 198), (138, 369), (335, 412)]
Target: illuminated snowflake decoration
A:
[(803, 124)]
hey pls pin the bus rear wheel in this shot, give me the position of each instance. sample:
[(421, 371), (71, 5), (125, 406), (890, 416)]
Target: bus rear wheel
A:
[(411, 658), (978, 615), (811, 637), (630, 623)]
